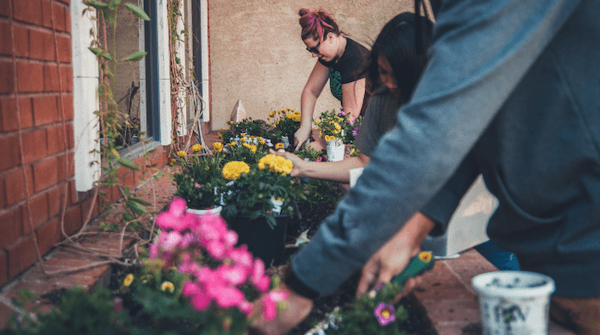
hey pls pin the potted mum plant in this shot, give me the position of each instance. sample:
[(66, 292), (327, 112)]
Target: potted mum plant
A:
[(285, 124), (199, 180), (257, 204), (330, 128)]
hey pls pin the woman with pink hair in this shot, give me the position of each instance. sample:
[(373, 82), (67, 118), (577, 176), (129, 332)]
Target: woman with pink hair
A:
[(341, 60)]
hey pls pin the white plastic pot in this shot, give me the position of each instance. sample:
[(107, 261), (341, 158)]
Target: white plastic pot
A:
[(215, 210), (514, 302), (335, 150)]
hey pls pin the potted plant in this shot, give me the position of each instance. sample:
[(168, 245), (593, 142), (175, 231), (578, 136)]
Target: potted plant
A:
[(330, 128), (257, 204), (199, 180), (285, 123)]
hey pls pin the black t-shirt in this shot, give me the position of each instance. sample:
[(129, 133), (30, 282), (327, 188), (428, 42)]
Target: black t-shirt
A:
[(350, 67)]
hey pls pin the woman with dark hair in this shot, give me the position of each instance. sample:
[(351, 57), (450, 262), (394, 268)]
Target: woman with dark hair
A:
[(341, 60), (393, 72)]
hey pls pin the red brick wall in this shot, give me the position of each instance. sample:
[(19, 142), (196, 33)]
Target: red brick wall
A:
[(36, 133)]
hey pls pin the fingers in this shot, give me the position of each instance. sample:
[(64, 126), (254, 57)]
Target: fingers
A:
[(368, 277)]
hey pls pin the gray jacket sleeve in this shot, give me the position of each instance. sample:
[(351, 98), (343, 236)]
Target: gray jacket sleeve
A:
[(481, 50)]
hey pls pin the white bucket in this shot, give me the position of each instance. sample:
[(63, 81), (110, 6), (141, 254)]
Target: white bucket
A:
[(335, 150), (514, 302), (215, 210)]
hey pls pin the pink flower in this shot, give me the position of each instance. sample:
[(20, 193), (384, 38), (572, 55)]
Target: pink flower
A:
[(172, 218), (200, 301), (319, 159), (385, 313), (227, 297), (118, 305), (153, 251), (259, 280), (235, 275), (169, 241), (230, 238), (216, 249), (269, 303)]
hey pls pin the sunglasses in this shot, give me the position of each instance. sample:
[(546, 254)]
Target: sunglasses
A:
[(315, 49)]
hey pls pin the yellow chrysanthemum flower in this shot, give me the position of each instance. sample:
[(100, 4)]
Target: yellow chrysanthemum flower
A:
[(329, 138), (197, 147), (128, 280), (272, 114), (218, 146), (262, 142), (167, 286), (337, 126), (279, 146), (253, 148), (207, 168), (234, 169), (243, 139), (181, 153), (232, 144), (276, 164), (243, 134)]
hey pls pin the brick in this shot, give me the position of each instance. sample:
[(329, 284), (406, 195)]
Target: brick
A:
[(7, 83), (41, 45), (46, 10), (67, 100), (10, 225), (85, 209), (10, 152), (45, 174), (2, 193), (70, 135), (3, 269), (30, 76), (66, 77), (48, 235), (55, 200), (28, 11), (68, 21), (39, 213), (4, 11), (5, 38), (34, 145), (59, 16), (64, 48), (21, 41), (8, 114), (26, 112), (51, 81), (56, 140), (45, 110), (15, 187), (73, 220), (63, 172)]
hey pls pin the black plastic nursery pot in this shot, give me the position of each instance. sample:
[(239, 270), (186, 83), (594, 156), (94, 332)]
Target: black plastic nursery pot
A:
[(262, 241)]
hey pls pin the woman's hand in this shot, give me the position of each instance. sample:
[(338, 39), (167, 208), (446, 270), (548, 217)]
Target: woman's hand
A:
[(298, 163), (393, 257), (301, 136)]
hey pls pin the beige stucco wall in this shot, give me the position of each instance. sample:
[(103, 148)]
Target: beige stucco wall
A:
[(257, 54)]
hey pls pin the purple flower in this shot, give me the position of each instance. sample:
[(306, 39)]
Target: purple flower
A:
[(186, 170), (385, 313), (355, 132)]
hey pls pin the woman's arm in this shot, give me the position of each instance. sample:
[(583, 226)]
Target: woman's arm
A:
[(332, 171), (313, 88), (353, 94)]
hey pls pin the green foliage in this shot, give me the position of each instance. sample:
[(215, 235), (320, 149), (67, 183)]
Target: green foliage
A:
[(361, 319), (79, 313), (338, 125), (199, 179)]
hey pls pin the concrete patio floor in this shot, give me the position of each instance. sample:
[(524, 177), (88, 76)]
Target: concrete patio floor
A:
[(446, 291)]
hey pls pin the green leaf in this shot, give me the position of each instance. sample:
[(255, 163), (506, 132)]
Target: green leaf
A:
[(97, 4), (128, 217), (136, 56), (108, 16), (128, 164), (96, 51), (137, 11), (114, 4), (107, 56), (140, 201), (135, 207)]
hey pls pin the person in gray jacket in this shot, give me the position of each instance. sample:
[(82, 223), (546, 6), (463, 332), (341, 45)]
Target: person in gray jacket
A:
[(510, 91)]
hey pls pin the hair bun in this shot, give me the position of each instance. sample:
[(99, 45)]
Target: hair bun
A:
[(303, 12)]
